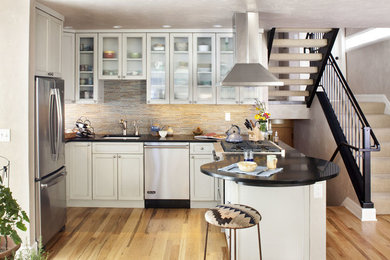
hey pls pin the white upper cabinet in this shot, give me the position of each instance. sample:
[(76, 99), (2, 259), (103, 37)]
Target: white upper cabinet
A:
[(68, 65), (88, 90), (157, 68), (133, 57), (181, 68), (110, 55), (48, 39), (204, 68), (225, 62)]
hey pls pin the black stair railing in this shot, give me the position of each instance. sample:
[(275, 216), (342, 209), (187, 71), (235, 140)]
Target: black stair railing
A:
[(354, 137)]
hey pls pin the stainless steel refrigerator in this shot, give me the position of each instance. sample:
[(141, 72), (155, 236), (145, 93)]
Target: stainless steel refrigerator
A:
[(50, 170)]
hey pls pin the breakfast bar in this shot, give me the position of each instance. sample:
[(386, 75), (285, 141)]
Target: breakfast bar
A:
[(292, 203)]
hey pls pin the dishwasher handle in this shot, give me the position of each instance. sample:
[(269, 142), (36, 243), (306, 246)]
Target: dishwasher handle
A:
[(166, 146)]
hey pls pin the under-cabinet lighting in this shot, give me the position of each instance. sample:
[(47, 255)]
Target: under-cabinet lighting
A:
[(366, 37), (217, 26), (117, 26), (166, 26), (68, 27)]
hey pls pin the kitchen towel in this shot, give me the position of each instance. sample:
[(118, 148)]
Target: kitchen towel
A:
[(260, 171)]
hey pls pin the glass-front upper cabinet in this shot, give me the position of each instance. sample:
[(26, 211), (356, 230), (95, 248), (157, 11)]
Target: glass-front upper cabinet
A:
[(134, 60), (86, 68), (157, 68), (225, 61), (203, 71), (180, 68), (110, 55)]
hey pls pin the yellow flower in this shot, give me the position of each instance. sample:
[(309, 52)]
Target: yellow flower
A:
[(257, 116)]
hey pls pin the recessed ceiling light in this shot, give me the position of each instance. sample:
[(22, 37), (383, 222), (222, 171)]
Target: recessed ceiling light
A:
[(217, 26), (166, 26), (117, 26), (68, 27)]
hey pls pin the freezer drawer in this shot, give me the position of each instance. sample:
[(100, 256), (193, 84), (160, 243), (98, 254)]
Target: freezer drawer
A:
[(167, 171), (53, 205)]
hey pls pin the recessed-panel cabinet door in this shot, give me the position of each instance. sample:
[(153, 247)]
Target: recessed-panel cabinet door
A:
[(225, 62), (110, 55), (54, 46), (204, 65), (78, 165), (202, 185), (181, 68), (104, 176), (134, 56), (130, 177)]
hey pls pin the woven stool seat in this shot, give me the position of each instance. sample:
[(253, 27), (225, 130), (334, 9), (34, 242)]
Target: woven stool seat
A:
[(233, 216)]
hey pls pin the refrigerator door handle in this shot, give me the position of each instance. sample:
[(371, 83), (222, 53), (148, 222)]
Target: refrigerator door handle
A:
[(59, 122), (54, 181), (52, 100)]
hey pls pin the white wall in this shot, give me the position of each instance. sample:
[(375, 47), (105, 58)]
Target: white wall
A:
[(314, 138), (15, 97)]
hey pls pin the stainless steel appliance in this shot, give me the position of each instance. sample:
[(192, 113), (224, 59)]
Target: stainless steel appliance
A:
[(50, 157), (259, 147), (167, 175)]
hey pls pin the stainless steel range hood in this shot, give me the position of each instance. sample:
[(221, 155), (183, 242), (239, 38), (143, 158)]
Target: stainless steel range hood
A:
[(248, 71)]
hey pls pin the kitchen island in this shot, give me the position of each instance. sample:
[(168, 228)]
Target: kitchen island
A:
[(292, 204)]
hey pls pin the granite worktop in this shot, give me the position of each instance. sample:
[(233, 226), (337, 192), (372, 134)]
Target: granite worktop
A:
[(298, 169), (143, 138)]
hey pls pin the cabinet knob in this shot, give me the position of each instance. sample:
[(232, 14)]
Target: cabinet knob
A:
[(237, 102), (194, 102), (148, 101), (193, 157), (114, 156), (242, 102), (119, 156), (50, 73), (119, 77), (202, 148)]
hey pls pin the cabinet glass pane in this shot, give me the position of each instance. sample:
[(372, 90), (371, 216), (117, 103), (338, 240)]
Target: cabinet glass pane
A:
[(134, 56), (226, 55), (110, 56), (181, 81), (86, 70), (158, 68), (204, 69), (248, 94)]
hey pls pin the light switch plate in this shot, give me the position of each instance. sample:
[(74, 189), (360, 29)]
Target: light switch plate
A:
[(227, 116), (5, 135)]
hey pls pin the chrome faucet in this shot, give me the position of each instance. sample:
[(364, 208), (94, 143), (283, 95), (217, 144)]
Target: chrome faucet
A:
[(123, 124)]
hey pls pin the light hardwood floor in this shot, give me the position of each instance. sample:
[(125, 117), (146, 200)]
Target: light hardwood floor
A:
[(102, 233)]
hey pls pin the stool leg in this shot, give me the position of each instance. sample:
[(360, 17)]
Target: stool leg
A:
[(235, 247), (230, 244), (205, 245), (258, 232)]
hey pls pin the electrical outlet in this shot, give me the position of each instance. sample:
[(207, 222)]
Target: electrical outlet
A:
[(5, 135), (227, 116)]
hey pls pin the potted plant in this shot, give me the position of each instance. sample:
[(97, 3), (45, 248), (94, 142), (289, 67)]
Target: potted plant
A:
[(12, 217), (262, 118)]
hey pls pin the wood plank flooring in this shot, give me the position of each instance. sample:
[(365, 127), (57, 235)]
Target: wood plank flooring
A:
[(105, 233)]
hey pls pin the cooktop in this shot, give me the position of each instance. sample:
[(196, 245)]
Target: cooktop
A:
[(259, 147)]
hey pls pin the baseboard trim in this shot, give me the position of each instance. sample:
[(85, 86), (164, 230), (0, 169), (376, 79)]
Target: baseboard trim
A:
[(375, 98), (361, 213), (106, 203)]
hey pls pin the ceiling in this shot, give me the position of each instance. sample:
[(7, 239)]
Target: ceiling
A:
[(183, 14)]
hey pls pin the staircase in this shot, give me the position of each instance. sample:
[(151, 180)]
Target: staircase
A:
[(290, 62), (380, 161), (302, 59)]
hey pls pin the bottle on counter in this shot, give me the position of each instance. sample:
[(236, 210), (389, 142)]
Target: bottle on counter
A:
[(269, 131), (276, 137)]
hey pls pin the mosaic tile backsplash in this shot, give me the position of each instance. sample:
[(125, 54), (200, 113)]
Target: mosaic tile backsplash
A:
[(127, 100)]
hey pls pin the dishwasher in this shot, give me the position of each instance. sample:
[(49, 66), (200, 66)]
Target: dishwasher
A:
[(167, 175)]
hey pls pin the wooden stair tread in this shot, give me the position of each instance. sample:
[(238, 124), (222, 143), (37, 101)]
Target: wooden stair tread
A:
[(297, 81), (288, 93), (306, 30), (296, 56), (300, 42), (293, 70)]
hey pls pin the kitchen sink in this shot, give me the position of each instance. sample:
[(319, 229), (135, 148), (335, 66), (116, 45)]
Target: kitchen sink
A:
[(121, 137)]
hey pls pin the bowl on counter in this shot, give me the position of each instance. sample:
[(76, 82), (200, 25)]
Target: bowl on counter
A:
[(163, 133), (246, 166), (108, 54)]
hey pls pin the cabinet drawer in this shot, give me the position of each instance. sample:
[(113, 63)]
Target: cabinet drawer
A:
[(201, 148), (117, 148)]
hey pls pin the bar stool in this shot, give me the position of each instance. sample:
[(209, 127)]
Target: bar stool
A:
[(232, 216)]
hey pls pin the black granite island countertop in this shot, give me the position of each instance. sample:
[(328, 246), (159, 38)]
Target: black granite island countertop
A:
[(298, 170), (143, 138)]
